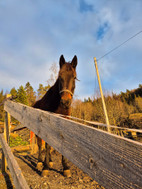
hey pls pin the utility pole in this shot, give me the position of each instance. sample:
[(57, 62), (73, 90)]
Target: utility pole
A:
[(102, 96)]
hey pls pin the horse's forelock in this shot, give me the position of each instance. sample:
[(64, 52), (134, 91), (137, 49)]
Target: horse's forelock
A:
[(67, 67)]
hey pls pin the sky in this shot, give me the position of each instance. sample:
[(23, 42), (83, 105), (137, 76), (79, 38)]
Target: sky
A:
[(35, 33)]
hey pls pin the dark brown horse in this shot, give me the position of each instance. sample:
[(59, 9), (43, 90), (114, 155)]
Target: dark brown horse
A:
[(58, 99)]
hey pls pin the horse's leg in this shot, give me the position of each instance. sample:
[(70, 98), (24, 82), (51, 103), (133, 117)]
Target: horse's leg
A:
[(39, 164), (66, 170), (47, 162)]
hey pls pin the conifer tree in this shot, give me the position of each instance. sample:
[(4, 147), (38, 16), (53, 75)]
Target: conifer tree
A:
[(2, 97), (13, 92), (42, 90), (31, 97), (21, 96)]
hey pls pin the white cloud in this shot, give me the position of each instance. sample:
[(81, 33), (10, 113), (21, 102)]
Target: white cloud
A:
[(34, 34)]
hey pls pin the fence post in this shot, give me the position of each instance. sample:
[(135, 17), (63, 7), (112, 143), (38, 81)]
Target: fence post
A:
[(102, 97), (33, 143), (6, 135)]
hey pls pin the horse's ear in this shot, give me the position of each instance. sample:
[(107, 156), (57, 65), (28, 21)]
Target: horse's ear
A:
[(74, 62), (62, 61)]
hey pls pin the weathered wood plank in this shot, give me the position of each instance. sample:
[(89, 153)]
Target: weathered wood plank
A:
[(4, 163), (6, 136), (113, 161), (7, 123), (7, 126), (16, 173), (98, 124)]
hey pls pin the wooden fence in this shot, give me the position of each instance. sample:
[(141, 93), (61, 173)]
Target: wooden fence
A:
[(112, 161), (8, 157), (16, 173)]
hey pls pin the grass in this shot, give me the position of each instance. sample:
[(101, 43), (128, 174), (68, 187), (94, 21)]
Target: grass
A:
[(17, 141)]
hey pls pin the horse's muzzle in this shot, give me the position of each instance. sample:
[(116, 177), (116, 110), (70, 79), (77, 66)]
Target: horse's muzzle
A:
[(66, 97), (65, 103)]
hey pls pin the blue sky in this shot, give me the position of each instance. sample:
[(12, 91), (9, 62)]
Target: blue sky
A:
[(34, 33)]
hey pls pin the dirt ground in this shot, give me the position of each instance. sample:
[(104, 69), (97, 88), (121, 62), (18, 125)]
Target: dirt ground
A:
[(55, 180)]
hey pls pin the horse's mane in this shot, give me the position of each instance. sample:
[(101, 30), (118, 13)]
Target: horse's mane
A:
[(50, 101)]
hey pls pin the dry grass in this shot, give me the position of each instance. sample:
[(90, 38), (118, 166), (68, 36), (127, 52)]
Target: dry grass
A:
[(136, 116)]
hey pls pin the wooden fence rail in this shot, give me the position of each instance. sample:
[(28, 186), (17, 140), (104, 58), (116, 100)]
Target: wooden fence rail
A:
[(136, 134), (8, 157), (16, 173), (113, 161)]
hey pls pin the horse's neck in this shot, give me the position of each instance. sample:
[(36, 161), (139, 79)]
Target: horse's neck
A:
[(55, 89), (54, 92), (51, 99)]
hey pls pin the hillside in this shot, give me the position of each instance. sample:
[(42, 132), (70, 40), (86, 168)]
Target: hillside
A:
[(124, 109)]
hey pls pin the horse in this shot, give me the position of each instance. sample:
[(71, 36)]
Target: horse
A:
[(58, 100)]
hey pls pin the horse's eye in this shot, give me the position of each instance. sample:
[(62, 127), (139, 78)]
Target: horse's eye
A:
[(61, 79)]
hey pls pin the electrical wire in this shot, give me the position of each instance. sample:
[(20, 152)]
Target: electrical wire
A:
[(120, 45)]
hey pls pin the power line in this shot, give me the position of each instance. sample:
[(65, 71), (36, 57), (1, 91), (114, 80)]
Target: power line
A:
[(120, 45)]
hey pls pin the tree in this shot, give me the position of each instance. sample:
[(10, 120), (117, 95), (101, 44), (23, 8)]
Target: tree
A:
[(42, 90), (13, 92), (31, 97), (22, 96), (53, 75), (2, 97), (76, 108), (138, 104)]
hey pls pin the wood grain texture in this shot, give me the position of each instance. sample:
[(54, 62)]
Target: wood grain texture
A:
[(97, 124), (6, 137), (16, 173), (113, 161)]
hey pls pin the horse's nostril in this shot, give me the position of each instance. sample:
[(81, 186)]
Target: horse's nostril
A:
[(65, 103), (68, 102)]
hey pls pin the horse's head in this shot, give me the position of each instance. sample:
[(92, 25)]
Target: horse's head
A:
[(67, 76)]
